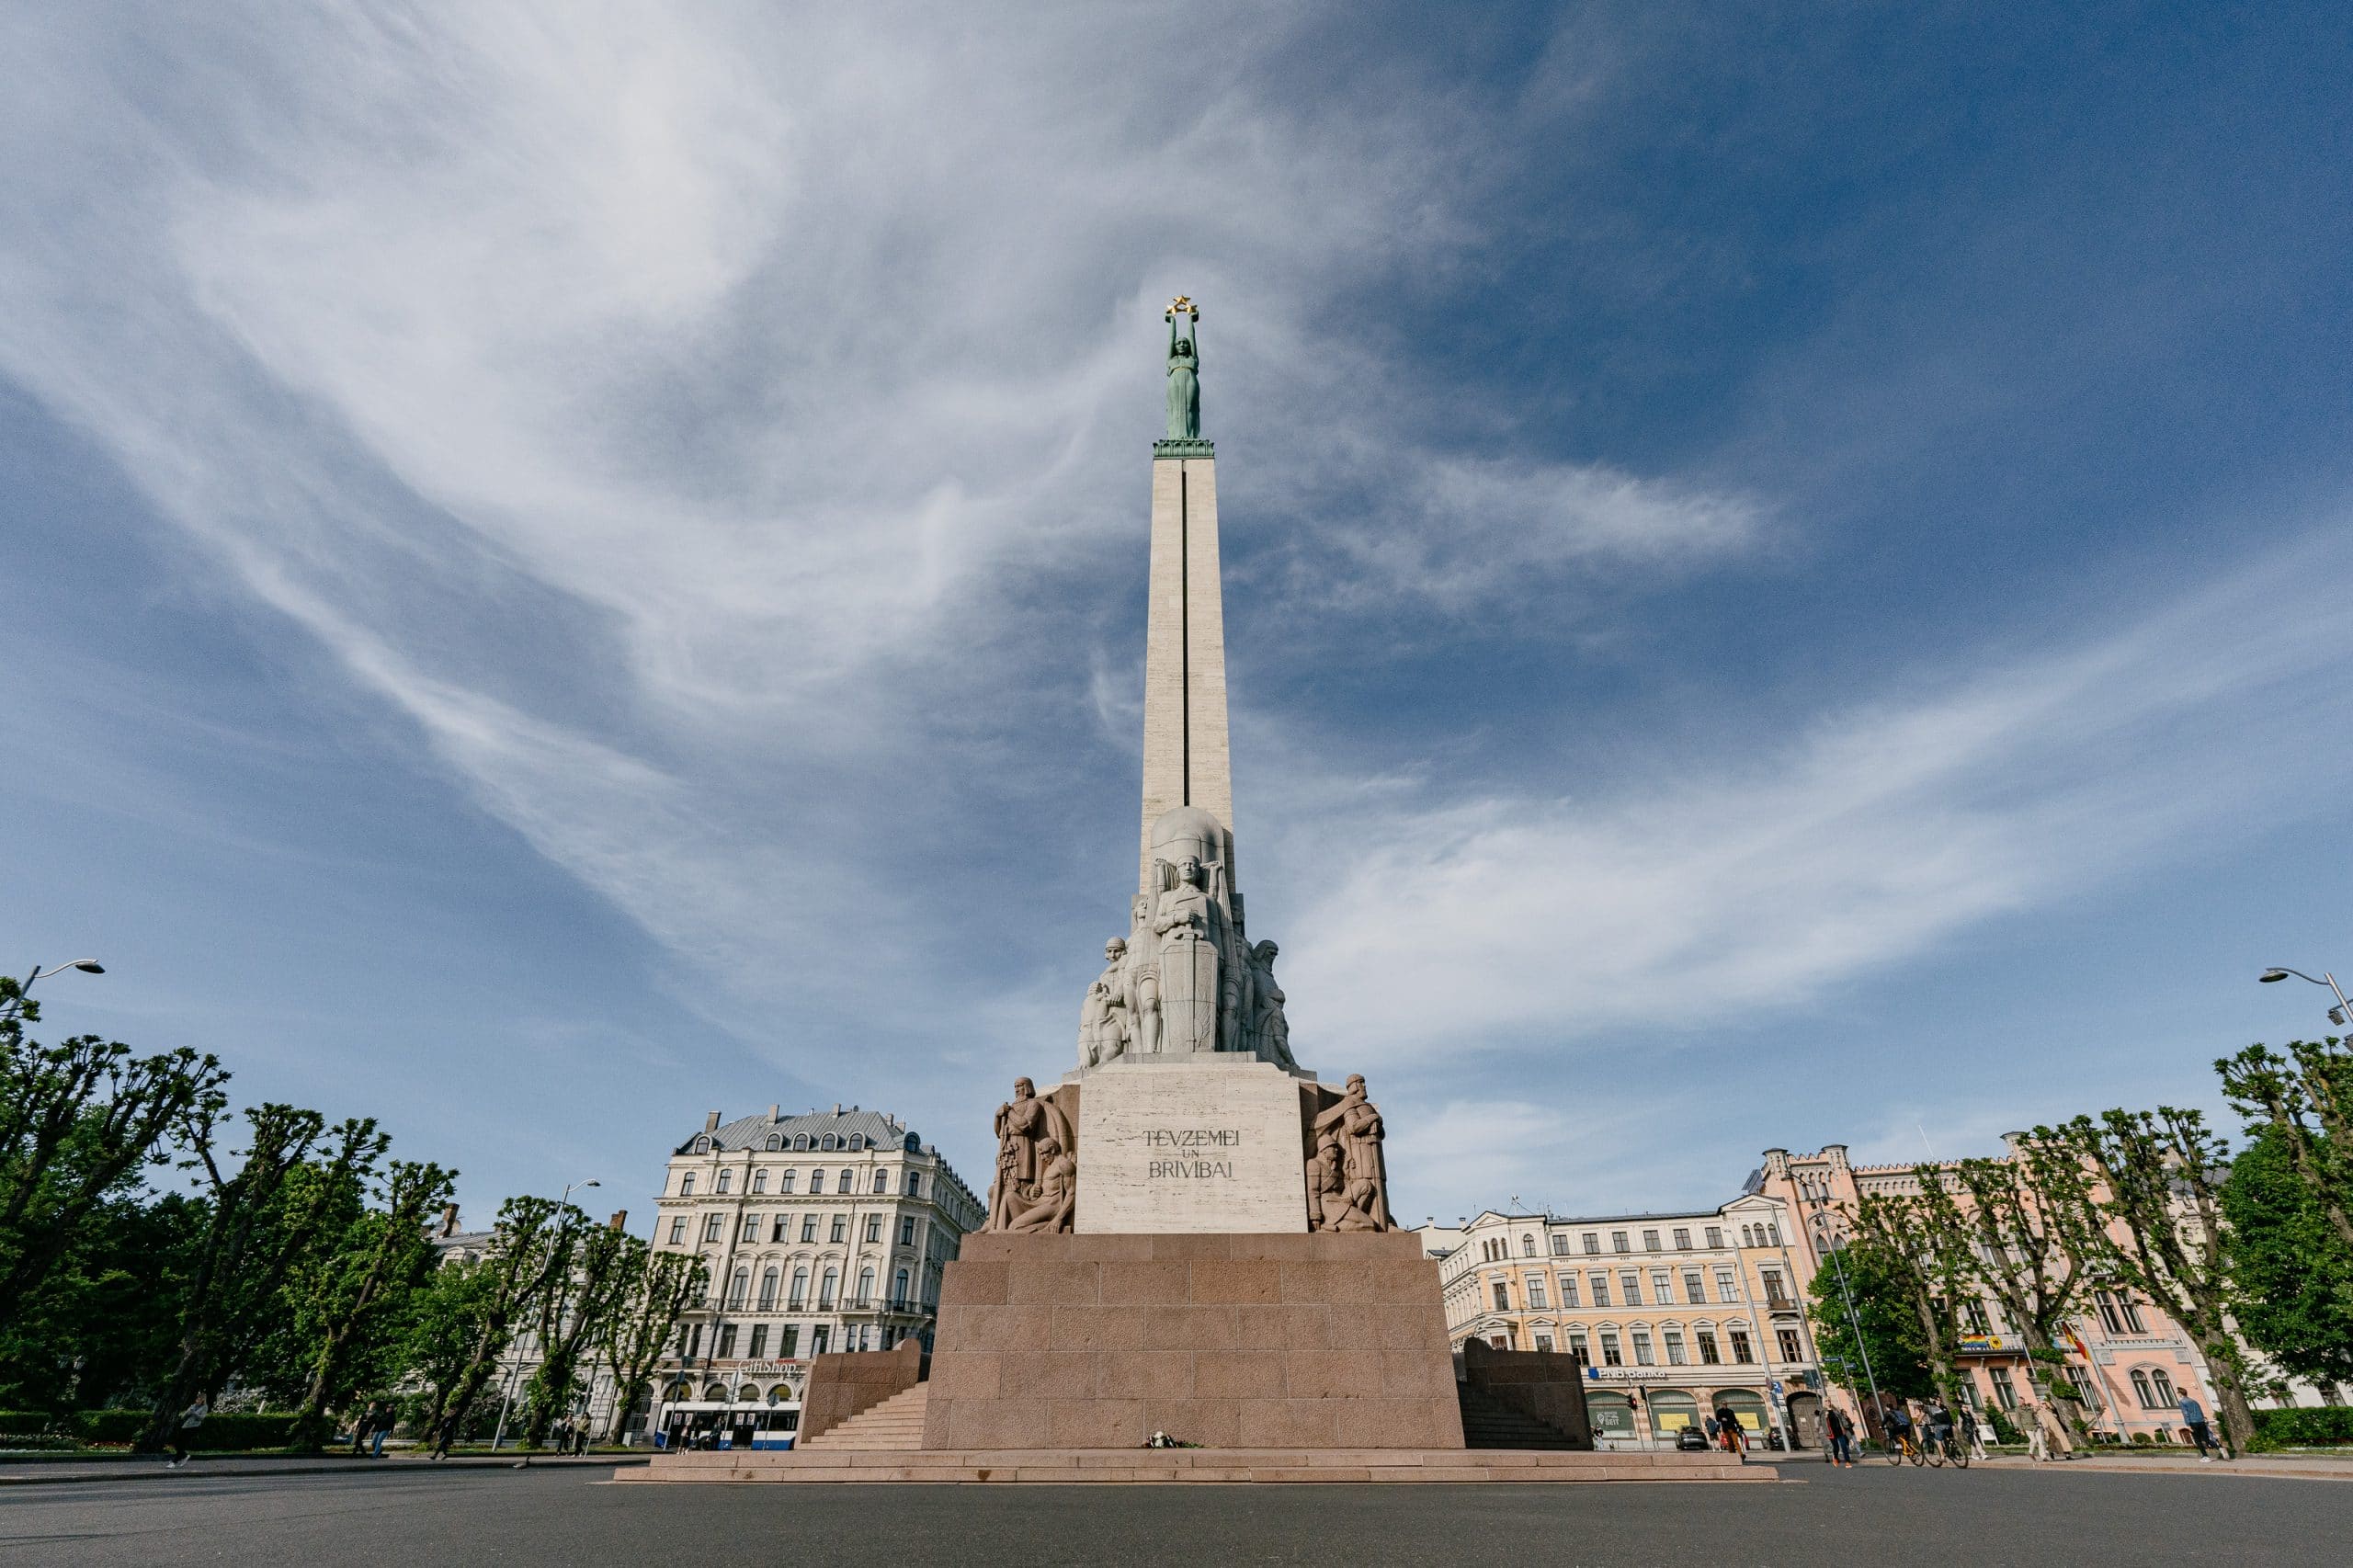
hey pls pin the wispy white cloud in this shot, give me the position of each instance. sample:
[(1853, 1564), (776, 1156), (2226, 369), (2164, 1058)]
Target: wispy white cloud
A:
[(1523, 922)]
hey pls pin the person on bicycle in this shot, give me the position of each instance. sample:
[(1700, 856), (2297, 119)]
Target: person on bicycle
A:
[(1899, 1427), (1940, 1425)]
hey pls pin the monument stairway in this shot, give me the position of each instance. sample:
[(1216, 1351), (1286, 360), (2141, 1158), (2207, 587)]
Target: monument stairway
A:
[(895, 1425), (1488, 1423)]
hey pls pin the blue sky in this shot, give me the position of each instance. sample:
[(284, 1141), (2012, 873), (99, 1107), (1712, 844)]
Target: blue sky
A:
[(1787, 576)]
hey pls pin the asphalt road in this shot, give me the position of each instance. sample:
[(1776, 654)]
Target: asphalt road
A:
[(572, 1520)]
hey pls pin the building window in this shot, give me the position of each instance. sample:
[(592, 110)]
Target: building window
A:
[(782, 1229), (1790, 1349), (686, 1185), (1742, 1354), (1592, 1243), (914, 1184), (846, 1182), (1618, 1242), (1544, 1343), (1610, 1356), (1650, 1241), (726, 1341), (1568, 1288), (726, 1182), (820, 1337), (829, 1286), (791, 1341), (1560, 1245), (1774, 1294), (759, 1181), (712, 1226), (784, 1183), (817, 1181), (1661, 1291), (1693, 1291), (1642, 1357), (865, 1286), (1675, 1352), (1536, 1301), (1577, 1347), (800, 1297), (808, 1227), (768, 1292), (907, 1231), (881, 1182), (899, 1288), (694, 1341), (1709, 1356), (1727, 1287), (679, 1231), (739, 1288), (873, 1228), (857, 1142), (1748, 1235), (829, 1142), (840, 1228), (1500, 1341), (759, 1341), (1600, 1289), (1631, 1283), (1773, 1232), (702, 1145), (1503, 1297), (2132, 1311), (751, 1228), (2164, 1385), (1682, 1238), (1715, 1235)]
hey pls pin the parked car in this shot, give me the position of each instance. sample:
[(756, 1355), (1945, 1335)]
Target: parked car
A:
[(1691, 1437)]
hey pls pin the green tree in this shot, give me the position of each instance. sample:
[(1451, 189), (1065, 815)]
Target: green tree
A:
[(1882, 1281), (2306, 1097), (267, 1216), (2291, 1273), (2031, 1232), (2160, 1178), (345, 1301), (77, 1123), (659, 1293), (576, 1309), (444, 1322), (531, 1249)]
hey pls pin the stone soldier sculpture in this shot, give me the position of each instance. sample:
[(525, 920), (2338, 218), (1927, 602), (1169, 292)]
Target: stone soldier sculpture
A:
[(1104, 1031), (1025, 1125), (1057, 1191), (1270, 1031), (1140, 981), (1357, 1125), (1188, 929)]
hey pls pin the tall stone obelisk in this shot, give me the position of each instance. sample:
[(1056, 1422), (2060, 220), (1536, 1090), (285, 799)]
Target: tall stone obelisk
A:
[(1186, 761)]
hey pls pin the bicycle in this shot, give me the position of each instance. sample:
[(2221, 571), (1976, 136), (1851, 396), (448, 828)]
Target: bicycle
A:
[(1902, 1447)]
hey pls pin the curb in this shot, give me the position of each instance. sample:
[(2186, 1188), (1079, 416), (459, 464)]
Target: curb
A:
[(135, 1471)]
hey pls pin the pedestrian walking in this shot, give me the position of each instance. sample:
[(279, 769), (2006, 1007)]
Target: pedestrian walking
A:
[(580, 1438), (386, 1419), (1973, 1432), (2193, 1416), (191, 1419), (1735, 1440), (2038, 1444), (1842, 1437)]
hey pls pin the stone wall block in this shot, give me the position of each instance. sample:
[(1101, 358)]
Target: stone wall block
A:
[(1047, 1374), (1096, 1423), (1331, 1374), (1290, 1424), (1256, 1282), (1146, 1375), (1145, 1284), (1076, 1284), (1097, 1328), (1192, 1328), (1239, 1374)]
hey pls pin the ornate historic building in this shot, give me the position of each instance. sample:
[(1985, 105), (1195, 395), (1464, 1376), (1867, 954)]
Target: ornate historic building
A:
[(821, 1233), (1675, 1314)]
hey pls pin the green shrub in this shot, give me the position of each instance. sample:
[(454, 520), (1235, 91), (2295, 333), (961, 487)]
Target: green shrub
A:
[(2004, 1430), (2304, 1428), (230, 1432), (26, 1422)]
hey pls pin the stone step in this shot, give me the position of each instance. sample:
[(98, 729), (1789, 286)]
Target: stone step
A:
[(1129, 1466), (895, 1426)]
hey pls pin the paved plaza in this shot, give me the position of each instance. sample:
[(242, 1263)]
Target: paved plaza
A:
[(574, 1520)]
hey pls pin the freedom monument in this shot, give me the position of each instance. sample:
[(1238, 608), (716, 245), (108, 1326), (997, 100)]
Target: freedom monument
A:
[(1190, 1238)]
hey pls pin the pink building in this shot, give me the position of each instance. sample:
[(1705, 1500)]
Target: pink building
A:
[(2133, 1362)]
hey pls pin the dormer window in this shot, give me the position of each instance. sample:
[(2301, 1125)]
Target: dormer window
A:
[(773, 1142), (829, 1142), (801, 1140), (702, 1145), (857, 1142)]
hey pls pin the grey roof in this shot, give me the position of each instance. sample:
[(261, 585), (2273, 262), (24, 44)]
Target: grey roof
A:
[(754, 1132)]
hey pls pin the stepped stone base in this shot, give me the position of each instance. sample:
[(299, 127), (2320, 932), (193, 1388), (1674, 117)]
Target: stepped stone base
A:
[(1247, 1466), (1261, 1342)]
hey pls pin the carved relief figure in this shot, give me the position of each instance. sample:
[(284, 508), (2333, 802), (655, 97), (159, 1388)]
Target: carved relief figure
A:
[(1189, 960), (1027, 1127), (1356, 1124), (1270, 1031), (1104, 1029), (1335, 1202), (1057, 1192)]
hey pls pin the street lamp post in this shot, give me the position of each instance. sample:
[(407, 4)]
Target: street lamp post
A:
[(16, 1004), (1839, 1265), (2338, 1014)]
